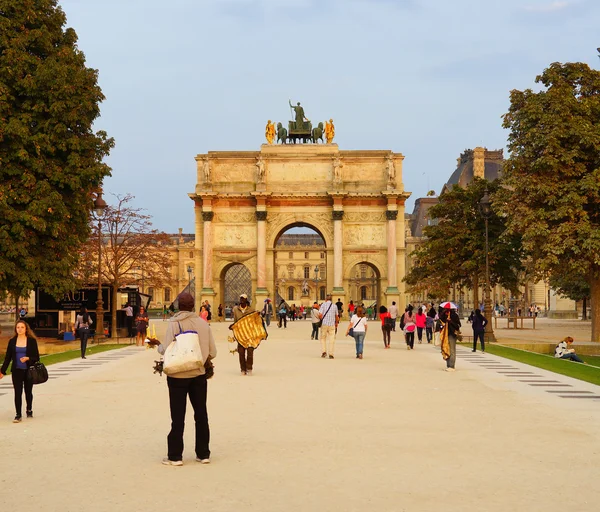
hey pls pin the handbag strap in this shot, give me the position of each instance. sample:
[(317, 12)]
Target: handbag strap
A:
[(359, 320), (331, 304)]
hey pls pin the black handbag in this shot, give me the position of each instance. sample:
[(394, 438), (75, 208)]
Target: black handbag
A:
[(37, 373)]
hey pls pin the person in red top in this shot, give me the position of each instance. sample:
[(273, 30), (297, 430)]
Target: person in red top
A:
[(386, 327), (421, 321), (351, 309)]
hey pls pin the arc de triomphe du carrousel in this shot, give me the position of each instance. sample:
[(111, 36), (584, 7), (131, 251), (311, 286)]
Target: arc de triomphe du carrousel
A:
[(245, 200)]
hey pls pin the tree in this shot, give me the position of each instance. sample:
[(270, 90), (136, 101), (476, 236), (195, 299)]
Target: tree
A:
[(128, 242), (553, 174), (50, 158), (453, 252), (575, 287)]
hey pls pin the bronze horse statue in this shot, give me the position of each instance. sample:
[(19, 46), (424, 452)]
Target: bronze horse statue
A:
[(281, 134), (317, 133)]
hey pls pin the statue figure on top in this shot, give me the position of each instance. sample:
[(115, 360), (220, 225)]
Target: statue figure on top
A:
[(329, 131), (300, 117), (270, 132)]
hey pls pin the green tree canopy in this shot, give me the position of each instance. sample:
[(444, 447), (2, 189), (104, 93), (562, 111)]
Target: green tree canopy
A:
[(453, 252), (50, 158), (553, 175)]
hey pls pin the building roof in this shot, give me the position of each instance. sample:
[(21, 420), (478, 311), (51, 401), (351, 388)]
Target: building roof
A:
[(301, 240)]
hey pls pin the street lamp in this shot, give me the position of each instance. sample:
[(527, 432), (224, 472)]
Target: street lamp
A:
[(99, 208), (485, 207), (189, 271), (316, 283)]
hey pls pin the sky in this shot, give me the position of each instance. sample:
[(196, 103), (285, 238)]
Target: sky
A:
[(425, 78)]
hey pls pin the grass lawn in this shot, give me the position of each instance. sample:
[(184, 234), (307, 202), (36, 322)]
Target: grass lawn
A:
[(587, 372), (74, 354)]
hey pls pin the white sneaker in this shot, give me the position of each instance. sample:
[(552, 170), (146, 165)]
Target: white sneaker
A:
[(202, 461), (248, 372), (450, 369), (168, 462)]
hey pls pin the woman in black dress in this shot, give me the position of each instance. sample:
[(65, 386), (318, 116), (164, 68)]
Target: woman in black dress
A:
[(22, 351)]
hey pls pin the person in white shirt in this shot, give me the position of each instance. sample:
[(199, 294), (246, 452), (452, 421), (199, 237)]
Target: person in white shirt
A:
[(358, 324), (564, 351), (129, 319), (394, 314)]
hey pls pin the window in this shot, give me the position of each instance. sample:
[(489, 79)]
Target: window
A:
[(363, 293), (290, 270), (307, 272), (291, 255), (322, 293), (322, 255), (167, 294), (363, 271), (191, 255), (291, 293), (151, 292), (305, 255)]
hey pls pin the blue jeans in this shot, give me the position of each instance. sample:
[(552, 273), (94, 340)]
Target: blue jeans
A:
[(315, 331), (359, 338), (572, 357), (84, 334)]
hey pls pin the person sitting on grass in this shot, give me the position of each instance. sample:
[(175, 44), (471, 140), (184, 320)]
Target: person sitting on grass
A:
[(564, 351)]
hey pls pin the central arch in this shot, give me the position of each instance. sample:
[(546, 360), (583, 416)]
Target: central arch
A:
[(299, 264), (235, 280)]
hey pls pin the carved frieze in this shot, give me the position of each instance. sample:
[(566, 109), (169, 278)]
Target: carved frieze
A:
[(241, 237), (234, 218), (364, 217), (365, 235)]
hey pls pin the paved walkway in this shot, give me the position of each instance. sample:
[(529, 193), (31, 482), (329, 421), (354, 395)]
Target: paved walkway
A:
[(391, 432)]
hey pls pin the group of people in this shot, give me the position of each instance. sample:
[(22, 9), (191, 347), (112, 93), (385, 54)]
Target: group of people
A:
[(441, 324)]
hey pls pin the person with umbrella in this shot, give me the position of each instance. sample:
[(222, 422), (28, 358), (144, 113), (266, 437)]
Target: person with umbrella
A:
[(450, 329)]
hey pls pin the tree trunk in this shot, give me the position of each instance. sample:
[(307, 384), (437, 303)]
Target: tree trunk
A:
[(584, 312), (595, 303), (475, 291), (113, 315)]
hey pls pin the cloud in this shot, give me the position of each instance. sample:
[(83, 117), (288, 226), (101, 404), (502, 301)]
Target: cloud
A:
[(557, 5)]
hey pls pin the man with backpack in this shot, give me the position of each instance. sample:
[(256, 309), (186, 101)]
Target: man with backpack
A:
[(329, 316)]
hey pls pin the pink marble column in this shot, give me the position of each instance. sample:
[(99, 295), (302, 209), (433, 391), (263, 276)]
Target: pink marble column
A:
[(391, 215), (338, 255), (261, 251), (207, 252)]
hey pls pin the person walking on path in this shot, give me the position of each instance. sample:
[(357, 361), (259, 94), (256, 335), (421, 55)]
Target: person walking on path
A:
[(409, 326), (328, 313), (564, 351), (190, 383), (358, 324), (82, 327), (315, 319), (478, 323), (386, 326), (128, 320), (429, 324), (246, 354), (450, 326), (421, 322), (203, 313), (394, 314), (340, 307), (220, 312), (282, 312), (22, 351), (267, 311), (141, 326)]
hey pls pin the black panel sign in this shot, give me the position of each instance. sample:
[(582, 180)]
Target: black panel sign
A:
[(72, 301)]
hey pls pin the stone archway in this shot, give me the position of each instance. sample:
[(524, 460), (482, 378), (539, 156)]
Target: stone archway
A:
[(295, 258), (244, 200)]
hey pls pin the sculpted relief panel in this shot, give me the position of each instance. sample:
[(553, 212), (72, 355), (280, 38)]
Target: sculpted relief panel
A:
[(239, 237), (364, 217), (234, 218), (364, 235)]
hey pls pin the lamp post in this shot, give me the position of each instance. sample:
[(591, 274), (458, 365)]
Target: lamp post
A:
[(485, 206), (189, 271), (316, 283), (99, 207)]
